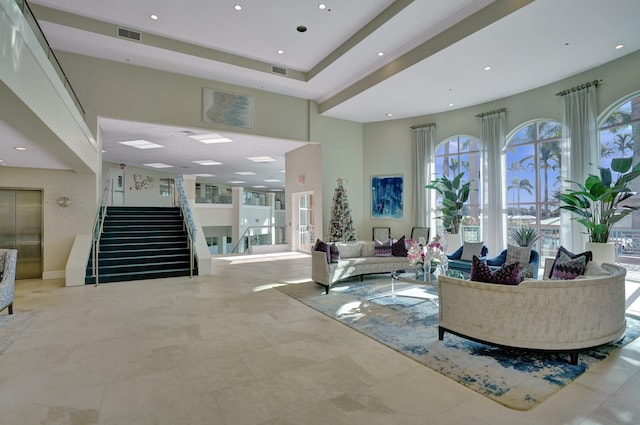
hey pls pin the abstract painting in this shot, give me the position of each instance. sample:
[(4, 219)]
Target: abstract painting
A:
[(226, 108), (386, 197)]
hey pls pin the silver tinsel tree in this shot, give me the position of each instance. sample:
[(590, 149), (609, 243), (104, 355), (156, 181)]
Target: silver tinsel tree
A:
[(341, 226)]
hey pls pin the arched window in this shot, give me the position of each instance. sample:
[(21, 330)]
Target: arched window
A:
[(533, 163), (461, 154), (619, 133)]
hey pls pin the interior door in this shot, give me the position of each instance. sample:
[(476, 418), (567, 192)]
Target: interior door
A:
[(305, 222), (116, 176)]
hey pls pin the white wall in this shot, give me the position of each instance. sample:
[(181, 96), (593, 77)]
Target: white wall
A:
[(387, 145), (60, 224)]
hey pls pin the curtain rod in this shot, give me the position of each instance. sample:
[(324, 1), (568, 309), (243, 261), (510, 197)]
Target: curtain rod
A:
[(497, 111), (580, 87), (431, 124)]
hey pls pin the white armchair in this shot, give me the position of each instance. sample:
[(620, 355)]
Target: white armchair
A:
[(8, 258)]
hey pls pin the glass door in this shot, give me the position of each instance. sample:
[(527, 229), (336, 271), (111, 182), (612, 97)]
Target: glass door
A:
[(305, 222)]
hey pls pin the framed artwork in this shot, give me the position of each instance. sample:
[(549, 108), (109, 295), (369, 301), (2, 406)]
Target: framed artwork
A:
[(386, 196), (226, 108)]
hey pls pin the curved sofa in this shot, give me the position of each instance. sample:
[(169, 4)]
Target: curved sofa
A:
[(550, 315), (356, 260)]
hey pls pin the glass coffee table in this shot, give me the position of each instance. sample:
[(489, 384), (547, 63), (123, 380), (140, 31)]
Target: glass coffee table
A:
[(414, 283)]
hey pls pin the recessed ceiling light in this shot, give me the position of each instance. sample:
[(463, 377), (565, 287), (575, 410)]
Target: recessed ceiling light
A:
[(322, 6), (153, 17), (236, 181), (451, 104), (207, 162), (211, 138), (271, 180), (141, 144), (259, 186), (245, 173), (158, 165), (618, 46), (281, 52), (237, 7), (389, 115), (487, 68), (204, 175), (301, 28), (380, 53), (19, 148), (261, 159), (281, 170)]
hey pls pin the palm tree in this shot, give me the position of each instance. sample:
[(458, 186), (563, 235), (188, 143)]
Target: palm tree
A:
[(549, 156), (518, 185)]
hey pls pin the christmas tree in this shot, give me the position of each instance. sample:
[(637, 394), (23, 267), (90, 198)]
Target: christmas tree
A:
[(341, 226)]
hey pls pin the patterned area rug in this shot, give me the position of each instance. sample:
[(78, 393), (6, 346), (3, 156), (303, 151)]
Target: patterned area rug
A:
[(12, 326), (407, 321)]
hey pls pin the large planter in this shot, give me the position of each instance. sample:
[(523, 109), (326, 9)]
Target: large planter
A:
[(602, 252), (453, 241)]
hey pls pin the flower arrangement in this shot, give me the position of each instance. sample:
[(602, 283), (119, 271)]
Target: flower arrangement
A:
[(420, 252)]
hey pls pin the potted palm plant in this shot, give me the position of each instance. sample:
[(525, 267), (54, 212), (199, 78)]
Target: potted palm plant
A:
[(455, 193), (598, 203)]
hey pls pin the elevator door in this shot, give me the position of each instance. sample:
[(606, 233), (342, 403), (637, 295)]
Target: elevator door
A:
[(21, 229)]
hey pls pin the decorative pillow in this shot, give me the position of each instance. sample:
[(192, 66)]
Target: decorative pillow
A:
[(383, 249), (508, 274), (562, 250), (469, 249), (348, 249), (367, 248), (324, 247), (526, 272), (518, 254), (399, 248), (334, 253), (591, 269), (566, 267), (480, 272)]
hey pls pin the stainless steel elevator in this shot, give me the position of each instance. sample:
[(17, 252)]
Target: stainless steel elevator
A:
[(21, 229)]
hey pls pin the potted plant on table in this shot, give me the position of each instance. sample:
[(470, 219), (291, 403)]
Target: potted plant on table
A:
[(598, 202), (455, 193)]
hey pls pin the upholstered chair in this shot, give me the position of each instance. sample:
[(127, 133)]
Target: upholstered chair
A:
[(8, 258)]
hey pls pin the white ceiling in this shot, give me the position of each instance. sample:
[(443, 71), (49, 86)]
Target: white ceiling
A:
[(435, 53)]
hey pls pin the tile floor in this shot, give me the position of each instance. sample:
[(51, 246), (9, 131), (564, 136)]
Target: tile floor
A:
[(226, 349)]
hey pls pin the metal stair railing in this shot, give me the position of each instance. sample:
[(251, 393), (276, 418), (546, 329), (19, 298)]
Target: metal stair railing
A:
[(98, 228)]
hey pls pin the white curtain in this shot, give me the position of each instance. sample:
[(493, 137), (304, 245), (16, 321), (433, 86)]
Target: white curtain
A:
[(493, 140), (580, 155), (424, 152)]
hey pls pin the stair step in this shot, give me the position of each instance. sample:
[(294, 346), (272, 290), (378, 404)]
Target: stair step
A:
[(122, 277)]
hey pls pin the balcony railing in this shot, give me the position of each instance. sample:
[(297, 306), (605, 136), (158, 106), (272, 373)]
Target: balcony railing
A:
[(35, 27)]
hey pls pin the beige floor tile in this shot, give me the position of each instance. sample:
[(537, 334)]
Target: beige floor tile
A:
[(229, 349)]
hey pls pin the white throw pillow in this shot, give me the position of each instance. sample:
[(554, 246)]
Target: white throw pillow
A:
[(469, 249), (367, 248), (518, 254), (594, 269), (348, 249)]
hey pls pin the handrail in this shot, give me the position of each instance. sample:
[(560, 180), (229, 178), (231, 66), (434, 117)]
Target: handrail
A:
[(98, 227), (187, 219), (248, 236), (35, 26)]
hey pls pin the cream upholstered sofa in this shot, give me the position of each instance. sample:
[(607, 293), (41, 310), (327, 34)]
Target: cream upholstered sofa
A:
[(554, 315), (356, 260)]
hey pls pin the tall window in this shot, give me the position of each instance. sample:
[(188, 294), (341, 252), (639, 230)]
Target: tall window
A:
[(461, 154), (619, 134), (533, 164)]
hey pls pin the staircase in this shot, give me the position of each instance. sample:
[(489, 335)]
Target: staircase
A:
[(141, 243)]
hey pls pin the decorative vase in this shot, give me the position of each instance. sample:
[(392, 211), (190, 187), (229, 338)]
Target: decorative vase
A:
[(602, 252), (453, 241)]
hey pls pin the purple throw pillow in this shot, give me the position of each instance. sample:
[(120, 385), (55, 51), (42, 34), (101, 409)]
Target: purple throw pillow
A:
[(508, 274), (399, 248), (588, 256), (334, 253), (323, 247)]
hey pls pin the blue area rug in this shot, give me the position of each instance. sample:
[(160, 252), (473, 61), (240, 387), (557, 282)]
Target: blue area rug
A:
[(407, 321)]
